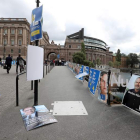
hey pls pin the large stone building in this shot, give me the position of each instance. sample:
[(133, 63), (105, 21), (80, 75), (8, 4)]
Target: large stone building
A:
[(95, 48), (14, 36)]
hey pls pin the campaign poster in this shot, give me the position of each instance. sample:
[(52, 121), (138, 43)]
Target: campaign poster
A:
[(77, 68), (103, 87), (131, 97), (81, 71), (90, 77), (81, 75), (36, 116), (86, 69), (36, 24), (117, 85), (94, 81)]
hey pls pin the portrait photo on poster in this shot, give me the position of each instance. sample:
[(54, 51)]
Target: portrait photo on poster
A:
[(131, 97), (36, 116), (103, 87)]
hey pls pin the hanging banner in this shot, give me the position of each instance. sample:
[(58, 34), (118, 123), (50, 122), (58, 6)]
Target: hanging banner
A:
[(94, 81), (117, 86), (131, 98), (36, 116), (103, 87), (36, 24), (90, 77)]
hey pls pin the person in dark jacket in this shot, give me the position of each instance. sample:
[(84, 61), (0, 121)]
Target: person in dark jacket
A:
[(17, 64), (8, 63), (132, 96)]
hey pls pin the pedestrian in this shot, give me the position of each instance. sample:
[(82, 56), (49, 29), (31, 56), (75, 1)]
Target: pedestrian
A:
[(8, 63), (0, 62), (60, 62), (17, 64)]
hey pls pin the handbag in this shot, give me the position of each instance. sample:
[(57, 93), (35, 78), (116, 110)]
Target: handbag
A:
[(4, 67)]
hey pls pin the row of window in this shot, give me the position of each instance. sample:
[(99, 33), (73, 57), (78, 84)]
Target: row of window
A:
[(13, 42), (79, 47), (19, 51), (94, 48), (13, 31), (86, 40)]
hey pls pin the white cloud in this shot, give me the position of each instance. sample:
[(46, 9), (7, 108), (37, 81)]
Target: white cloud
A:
[(114, 21)]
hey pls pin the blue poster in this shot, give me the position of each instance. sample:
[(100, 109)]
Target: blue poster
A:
[(90, 77), (94, 81), (86, 69), (58, 56), (36, 24), (81, 71)]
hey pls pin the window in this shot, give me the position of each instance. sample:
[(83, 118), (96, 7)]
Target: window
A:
[(12, 42), (19, 42), (5, 42), (12, 31), (20, 31), (5, 31), (4, 50), (69, 53), (79, 47), (19, 51), (11, 50), (69, 46)]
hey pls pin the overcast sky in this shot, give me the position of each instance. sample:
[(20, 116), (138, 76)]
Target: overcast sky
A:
[(117, 22)]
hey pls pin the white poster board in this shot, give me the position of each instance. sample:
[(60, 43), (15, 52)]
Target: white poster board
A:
[(35, 56), (81, 75)]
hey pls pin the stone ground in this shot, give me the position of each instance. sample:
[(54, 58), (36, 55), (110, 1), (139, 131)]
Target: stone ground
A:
[(101, 123)]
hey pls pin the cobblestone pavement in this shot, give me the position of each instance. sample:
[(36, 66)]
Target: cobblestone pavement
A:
[(101, 123)]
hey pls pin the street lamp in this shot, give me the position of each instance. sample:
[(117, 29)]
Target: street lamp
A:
[(4, 48)]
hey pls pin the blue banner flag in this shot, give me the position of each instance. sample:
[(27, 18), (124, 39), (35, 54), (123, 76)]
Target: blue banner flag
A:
[(94, 81), (36, 24), (81, 71), (87, 69), (90, 77), (58, 56)]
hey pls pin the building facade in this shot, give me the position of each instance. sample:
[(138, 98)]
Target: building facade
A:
[(95, 48), (14, 37)]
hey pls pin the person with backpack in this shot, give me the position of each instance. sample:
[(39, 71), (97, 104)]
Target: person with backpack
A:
[(19, 60)]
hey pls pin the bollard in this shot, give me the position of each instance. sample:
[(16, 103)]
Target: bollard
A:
[(46, 69), (31, 85)]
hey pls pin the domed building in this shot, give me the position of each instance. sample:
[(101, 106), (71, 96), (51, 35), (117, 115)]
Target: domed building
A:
[(95, 48)]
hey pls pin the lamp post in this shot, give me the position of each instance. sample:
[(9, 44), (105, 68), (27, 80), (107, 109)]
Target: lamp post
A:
[(4, 47)]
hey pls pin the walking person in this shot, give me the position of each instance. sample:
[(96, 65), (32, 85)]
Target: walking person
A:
[(0, 62), (8, 63), (17, 64)]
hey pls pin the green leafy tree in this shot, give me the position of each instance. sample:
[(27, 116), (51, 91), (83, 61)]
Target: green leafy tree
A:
[(117, 64), (132, 59), (98, 61), (110, 63), (83, 48), (79, 57), (118, 56), (88, 63)]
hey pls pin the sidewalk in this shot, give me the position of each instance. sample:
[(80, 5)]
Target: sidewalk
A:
[(101, 123)]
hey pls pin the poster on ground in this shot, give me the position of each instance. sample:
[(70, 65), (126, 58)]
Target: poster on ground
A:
[(103, 87), (81, 75), (131, 98), (117, 86), (94, 81), (36, 116)]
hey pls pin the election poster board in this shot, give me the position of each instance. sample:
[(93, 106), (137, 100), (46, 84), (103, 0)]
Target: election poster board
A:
[(81, 75), (103, 87), (81, 71), (77, 69), (131, 97), (35, 57), (90, 77), (117, 86), (36, 24), (86, 69), (94, 81), (36, 116)]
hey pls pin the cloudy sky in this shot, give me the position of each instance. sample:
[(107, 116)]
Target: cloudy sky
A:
[(117, 22)]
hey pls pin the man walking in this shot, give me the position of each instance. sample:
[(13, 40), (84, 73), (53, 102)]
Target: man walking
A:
[(17, 64), (8, 63)]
